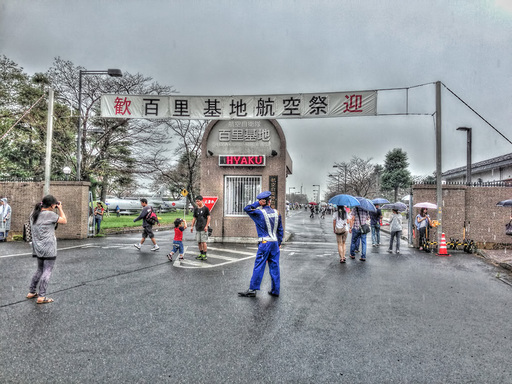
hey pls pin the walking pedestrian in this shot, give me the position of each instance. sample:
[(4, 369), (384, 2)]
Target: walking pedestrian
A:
[(118, 211), (98, 216), (422, 224), (358, 219), (375, 218), (270, 235), (177, 244), (43, 221), (5, 217), (201, 221), (147, 228), (395, 227), (340, 227)]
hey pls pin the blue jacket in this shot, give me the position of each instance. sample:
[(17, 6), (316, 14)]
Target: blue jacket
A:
[(259, 215)]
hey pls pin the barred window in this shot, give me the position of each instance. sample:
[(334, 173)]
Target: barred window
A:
[(240, 191)]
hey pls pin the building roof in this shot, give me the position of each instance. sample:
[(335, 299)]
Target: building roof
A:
[(481, 166)]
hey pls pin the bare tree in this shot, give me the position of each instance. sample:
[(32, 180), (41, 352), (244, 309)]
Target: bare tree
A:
[(356, 177), (113, 150), (185, 173)]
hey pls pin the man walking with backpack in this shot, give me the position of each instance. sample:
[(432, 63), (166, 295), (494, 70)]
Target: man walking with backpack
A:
[(149, 218)]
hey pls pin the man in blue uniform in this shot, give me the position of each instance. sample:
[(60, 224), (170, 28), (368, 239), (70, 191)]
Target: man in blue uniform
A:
[(270, 235)]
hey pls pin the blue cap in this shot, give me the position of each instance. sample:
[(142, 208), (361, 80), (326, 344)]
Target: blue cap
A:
[(264, 195)]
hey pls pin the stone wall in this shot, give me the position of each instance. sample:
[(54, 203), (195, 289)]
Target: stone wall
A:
[(23, 196), (473, 206)]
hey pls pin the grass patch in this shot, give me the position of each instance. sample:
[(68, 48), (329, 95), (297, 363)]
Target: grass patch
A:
[(124, 221)]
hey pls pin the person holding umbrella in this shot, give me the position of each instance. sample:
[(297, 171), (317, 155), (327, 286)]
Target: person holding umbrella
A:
[(359, 229), (422, 224), (395, 227), (375, 218), (340, 228)]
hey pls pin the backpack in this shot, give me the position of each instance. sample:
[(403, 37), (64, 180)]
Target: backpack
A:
[(151, 217)]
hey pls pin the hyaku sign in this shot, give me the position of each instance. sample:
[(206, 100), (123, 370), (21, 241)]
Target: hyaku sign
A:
[(297, 106), (242, 161)]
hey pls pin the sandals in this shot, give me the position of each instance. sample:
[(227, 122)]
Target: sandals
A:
[(45, 300), (343, 260), (32, 295)]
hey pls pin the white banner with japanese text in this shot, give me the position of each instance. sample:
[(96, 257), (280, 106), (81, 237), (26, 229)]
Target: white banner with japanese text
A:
[(298, 106)]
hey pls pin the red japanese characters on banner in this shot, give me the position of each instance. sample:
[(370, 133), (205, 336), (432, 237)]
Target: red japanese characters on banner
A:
[(210, 201)]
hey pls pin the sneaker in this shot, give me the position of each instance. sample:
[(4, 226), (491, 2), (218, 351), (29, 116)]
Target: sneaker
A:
[(248, 293), (390, 251), (182, 258), (136, 246), (155, 248), (204, 257), (169, 256), (398, 251), (199, 257)]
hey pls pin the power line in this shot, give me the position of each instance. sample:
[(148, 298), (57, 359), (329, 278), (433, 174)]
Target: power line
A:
[(480, 116)]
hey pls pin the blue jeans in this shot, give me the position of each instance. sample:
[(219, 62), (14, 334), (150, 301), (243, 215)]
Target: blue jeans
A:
[(97, 221), (178, 246), (376, 234), (356, 237)]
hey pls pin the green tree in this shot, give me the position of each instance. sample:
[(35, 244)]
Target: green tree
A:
[(23, 100), (396, 175)]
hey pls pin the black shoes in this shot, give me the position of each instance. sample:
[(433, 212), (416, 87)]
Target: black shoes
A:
[(248, 293), (273, 294)]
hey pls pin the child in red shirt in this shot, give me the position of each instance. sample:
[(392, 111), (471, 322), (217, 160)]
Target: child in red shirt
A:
[(179, 227)]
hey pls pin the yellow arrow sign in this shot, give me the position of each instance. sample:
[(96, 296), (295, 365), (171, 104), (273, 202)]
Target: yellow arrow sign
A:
[(184, 192)]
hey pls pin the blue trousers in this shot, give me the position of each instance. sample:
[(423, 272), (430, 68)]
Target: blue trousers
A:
[(356, 237), (376, 234), (270, 252)]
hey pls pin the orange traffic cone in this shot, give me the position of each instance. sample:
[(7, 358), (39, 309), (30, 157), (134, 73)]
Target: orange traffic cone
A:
[(442, 247)]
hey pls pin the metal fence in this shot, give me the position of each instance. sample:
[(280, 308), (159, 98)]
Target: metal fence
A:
[(473, 184)]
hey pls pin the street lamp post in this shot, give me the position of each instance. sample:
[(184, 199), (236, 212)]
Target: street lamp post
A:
[(468, 154), (111, 72), (66, 171)]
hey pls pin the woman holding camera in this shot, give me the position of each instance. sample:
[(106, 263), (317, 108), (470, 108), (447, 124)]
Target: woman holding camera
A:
[(43, 221)]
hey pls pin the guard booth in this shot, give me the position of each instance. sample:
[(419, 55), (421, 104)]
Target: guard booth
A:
[(240, 159)]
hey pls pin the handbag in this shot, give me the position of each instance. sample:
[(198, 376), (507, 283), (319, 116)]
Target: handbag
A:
[(340, 231), (508, 228), (27, 232)]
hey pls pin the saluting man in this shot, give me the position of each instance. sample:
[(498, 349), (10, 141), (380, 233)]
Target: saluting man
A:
[(270, 235)]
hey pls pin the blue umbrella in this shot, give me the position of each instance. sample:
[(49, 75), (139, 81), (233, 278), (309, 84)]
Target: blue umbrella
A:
[(346, 200), (398, 206), (366, 204), (380, 200)]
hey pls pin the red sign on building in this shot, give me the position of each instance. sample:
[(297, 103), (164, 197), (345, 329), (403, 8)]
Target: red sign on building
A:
[(210, 201)]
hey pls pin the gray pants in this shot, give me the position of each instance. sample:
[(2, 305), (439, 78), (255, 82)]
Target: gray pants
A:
[(42, 276), (398, 235)]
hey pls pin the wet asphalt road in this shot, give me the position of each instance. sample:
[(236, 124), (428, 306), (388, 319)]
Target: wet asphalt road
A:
[(122, 315)]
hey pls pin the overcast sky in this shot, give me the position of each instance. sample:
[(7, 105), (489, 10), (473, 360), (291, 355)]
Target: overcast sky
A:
[(235, 47)]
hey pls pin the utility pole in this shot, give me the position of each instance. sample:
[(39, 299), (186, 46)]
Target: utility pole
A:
[(49, 137), (439, 190)]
